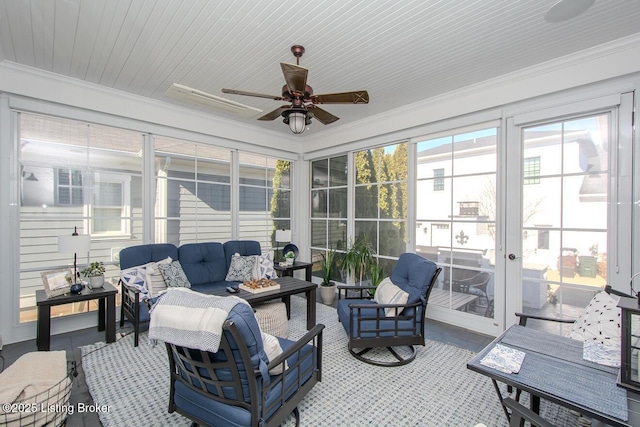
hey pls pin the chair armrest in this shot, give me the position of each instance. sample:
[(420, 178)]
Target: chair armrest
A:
[(524, 317), (316, 331), (382, 307), (356, 288), (608, 289), (132, 290)]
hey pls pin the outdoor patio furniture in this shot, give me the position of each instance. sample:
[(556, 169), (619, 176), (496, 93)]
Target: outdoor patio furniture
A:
[(370, 324), (239, 384), (475, 285)]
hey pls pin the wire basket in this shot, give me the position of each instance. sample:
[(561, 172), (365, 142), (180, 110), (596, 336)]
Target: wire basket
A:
[(50, 407)]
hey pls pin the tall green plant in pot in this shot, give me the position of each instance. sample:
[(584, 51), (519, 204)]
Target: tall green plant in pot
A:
[(358, 259), (328, 287)]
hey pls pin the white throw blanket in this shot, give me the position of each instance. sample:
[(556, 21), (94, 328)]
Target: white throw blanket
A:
[(190, 319)]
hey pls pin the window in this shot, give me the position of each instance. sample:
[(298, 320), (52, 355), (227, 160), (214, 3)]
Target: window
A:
[(109, 205), (193, 192), (438, 182), (75, 175), (531, 170), (329, 184), (265, 198), (381, 201), (69, 186), (459, 210)]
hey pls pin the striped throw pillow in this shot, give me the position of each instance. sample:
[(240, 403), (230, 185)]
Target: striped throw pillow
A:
[(388, 293)]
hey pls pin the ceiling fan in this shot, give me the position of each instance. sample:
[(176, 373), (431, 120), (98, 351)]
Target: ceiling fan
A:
[(303, 105)]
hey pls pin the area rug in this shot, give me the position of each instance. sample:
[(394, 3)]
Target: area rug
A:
[(436, 389)]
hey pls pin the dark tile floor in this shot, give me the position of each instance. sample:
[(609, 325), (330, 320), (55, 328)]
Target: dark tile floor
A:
[(70, 342)]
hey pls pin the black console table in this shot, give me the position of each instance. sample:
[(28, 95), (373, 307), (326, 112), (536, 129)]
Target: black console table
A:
[(106, 297)]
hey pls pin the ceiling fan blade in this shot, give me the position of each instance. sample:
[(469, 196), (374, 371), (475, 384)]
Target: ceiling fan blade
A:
[(323, 116), (355, 97), (272, 115), (296, 78), (257, 95)]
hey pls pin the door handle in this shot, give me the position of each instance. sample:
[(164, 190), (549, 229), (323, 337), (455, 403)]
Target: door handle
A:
[(512, 257)]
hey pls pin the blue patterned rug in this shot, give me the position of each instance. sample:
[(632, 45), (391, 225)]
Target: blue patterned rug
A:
[(436, 389)]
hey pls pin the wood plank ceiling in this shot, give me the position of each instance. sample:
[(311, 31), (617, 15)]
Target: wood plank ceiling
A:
[(402, 52)]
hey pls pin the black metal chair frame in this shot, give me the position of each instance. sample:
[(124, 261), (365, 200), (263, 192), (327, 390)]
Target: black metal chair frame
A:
[(360, 345), (196, 370), (520, 414), (130, 308)]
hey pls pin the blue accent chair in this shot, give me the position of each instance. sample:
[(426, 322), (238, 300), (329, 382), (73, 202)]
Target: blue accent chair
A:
[(365, 321), (233, 387)]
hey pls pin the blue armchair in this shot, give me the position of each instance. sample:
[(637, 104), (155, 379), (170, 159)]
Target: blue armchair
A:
[(236, 386), (370, 324)]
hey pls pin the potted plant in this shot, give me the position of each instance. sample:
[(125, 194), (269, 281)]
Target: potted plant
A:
[(289, 257), (327, 287), (95, 273), (358, 259), (376, 273)]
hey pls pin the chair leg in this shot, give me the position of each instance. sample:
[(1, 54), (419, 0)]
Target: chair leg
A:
[(400, 360), (296, 414)]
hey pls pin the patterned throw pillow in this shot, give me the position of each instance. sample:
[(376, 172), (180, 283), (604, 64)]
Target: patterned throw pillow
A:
[(137, 277), (264, 267), (599, 321), (241, 268), (174, 275), (388, 293)]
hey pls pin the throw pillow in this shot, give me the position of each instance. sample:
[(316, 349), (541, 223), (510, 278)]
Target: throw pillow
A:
[(155, 281), (137, 277), (388, 293), (241, 268), (174, 275), (273, 349), (264, 267), (599, 321)]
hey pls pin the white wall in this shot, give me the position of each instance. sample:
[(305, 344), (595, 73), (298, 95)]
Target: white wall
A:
[(592, 71)]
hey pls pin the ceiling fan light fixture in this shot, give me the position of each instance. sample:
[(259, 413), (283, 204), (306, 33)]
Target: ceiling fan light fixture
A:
[(297, 120)]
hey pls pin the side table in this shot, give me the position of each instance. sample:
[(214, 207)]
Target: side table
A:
[(106, 297), (287, 270)]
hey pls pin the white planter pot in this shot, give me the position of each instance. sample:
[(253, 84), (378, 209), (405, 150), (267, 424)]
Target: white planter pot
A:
[(328, 293), (96, 281), (289, 261)]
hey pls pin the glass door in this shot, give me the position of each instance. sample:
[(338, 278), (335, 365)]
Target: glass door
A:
[(560, 182)]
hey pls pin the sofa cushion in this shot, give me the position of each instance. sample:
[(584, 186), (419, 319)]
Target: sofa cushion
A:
[(144, 254), (242, 247), (203, 262)]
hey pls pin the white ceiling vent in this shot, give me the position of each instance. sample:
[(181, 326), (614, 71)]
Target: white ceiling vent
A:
[(186, 93)]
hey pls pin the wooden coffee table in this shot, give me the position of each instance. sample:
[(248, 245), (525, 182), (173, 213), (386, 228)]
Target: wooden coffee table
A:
[(288, 286)]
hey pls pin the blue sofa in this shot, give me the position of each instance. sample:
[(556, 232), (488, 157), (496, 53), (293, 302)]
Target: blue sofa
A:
[(204, 264)]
